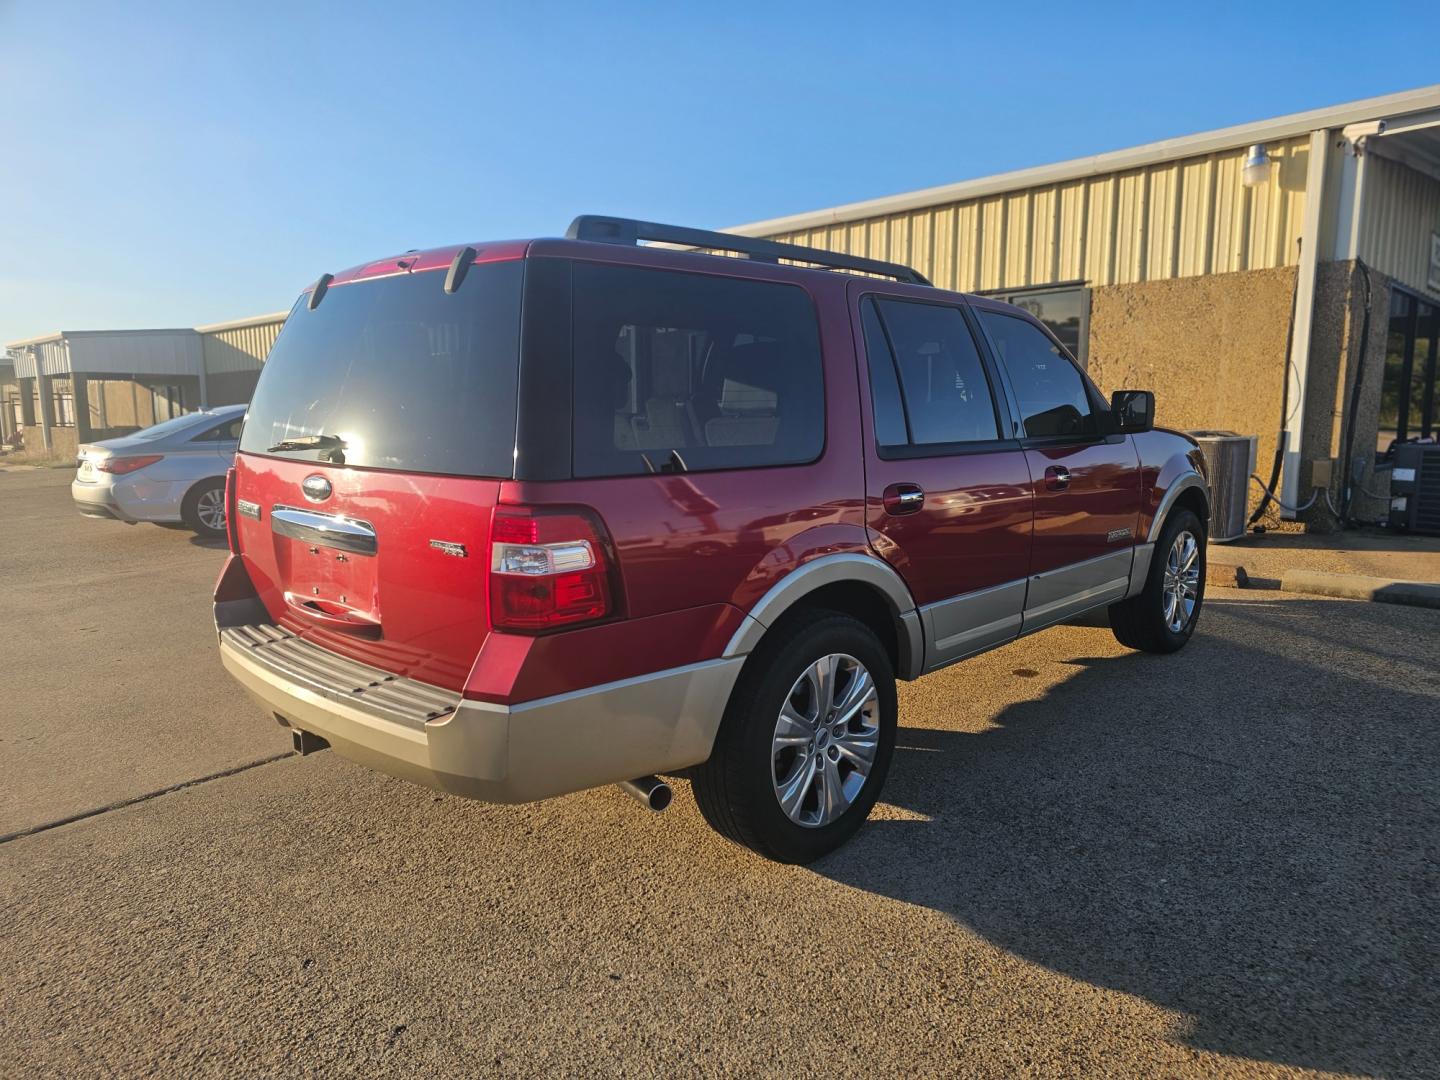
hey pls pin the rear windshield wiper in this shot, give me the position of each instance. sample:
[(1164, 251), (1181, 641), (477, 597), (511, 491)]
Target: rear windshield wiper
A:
[(333, 446)]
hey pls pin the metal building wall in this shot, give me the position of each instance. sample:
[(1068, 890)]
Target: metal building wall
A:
[(158, 353), (1172, 219), (43, 358), (1401, 209), (240, 348)]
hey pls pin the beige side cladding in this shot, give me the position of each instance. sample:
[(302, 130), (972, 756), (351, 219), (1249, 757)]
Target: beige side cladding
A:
[(1211, 348)]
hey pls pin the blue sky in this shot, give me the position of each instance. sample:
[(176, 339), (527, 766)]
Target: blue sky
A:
[(169, 165)]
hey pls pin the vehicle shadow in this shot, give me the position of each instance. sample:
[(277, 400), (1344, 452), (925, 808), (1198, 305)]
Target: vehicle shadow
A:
[(1243, 837), (210, 543)]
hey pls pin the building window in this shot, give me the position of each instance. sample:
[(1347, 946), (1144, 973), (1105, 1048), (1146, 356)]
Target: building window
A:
[(1408, 396), (64, 408), (1064, 309), (167, 402)]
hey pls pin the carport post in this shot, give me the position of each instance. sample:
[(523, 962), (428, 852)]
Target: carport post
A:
[(204, 372), (47, 406), (80, 386)]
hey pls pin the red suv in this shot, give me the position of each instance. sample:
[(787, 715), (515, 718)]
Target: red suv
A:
[(522, 518)]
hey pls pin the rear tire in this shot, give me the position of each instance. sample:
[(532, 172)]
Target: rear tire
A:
[(1163, 616), (204, 508), (806, 741)]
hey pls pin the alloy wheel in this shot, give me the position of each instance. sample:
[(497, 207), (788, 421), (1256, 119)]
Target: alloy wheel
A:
[(1181, 587), (825, 742), (210, 509)]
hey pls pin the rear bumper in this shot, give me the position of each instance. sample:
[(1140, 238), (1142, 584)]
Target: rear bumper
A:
[(496, 753), (154, 502), (95, 500)]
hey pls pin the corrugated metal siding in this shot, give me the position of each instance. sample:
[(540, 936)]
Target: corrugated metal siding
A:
[(50, 357), (139, 352), (1401, 210), (243, 348), (1175, 219)]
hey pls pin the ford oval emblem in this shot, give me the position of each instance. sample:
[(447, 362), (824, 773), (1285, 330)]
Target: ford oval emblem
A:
[(316, 488)]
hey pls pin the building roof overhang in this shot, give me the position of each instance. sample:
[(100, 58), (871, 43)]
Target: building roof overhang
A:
[(1395, 109)]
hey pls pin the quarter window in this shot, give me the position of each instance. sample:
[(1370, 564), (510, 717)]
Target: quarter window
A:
[(678, 372), (1048, 388), (934, 371)]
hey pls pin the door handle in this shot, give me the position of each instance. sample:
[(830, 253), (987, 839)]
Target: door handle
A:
[(1057, 477), (903, 499)]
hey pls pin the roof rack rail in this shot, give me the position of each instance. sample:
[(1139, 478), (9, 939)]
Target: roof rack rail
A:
[(627, 231)]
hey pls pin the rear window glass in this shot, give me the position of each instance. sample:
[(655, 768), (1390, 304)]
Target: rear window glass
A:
[(684, 372), (395, 373), (167, 428)]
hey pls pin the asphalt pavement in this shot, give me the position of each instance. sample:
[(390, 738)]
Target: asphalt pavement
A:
[(1085, 861)]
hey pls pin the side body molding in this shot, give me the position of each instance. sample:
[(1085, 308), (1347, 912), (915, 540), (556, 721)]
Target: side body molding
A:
[(828, 570)]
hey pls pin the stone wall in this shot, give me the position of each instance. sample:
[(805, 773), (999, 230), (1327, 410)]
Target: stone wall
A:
[(1211, 348)]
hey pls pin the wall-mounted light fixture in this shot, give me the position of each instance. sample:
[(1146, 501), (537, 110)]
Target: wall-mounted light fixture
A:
[(1257, 166)]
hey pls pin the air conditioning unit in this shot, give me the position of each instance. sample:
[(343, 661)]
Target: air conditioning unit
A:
[(1229, 460), (1415, 488)]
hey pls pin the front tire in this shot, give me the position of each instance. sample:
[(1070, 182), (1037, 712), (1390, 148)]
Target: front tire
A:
[(1163, 616), (806, 741), (204, 508)]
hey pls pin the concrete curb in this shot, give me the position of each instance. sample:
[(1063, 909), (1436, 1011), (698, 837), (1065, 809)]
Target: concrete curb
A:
[(1360, 587)]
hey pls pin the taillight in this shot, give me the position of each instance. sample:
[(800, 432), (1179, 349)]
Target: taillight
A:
[(232, 527), (548, 568), (122, 465)]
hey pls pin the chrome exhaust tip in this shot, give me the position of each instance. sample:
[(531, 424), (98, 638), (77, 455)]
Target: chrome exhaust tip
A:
[(649, 791)]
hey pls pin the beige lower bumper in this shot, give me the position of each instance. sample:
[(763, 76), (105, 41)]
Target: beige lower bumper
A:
[(519, 753)]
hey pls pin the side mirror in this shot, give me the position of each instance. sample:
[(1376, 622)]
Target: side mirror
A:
[(1132, 410)]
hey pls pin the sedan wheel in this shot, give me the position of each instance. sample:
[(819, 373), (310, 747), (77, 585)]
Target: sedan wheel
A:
[(210, 509)]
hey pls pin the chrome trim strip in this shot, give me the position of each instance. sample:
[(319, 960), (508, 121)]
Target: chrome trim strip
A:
[(1181, 483), (972, 622), (845, 566), (324, 530)]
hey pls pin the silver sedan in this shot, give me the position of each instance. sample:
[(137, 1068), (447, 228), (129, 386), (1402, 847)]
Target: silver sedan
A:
[(172, 472)]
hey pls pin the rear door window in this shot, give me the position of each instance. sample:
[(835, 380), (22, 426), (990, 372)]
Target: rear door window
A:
[(678, 372), (935, 376), (403, 374), (225, 431), (1048, 388)]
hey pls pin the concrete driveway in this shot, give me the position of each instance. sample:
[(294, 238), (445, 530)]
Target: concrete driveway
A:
[(1086, 861)]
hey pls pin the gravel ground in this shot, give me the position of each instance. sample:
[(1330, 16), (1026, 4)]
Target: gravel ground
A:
[(1085, 861)]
